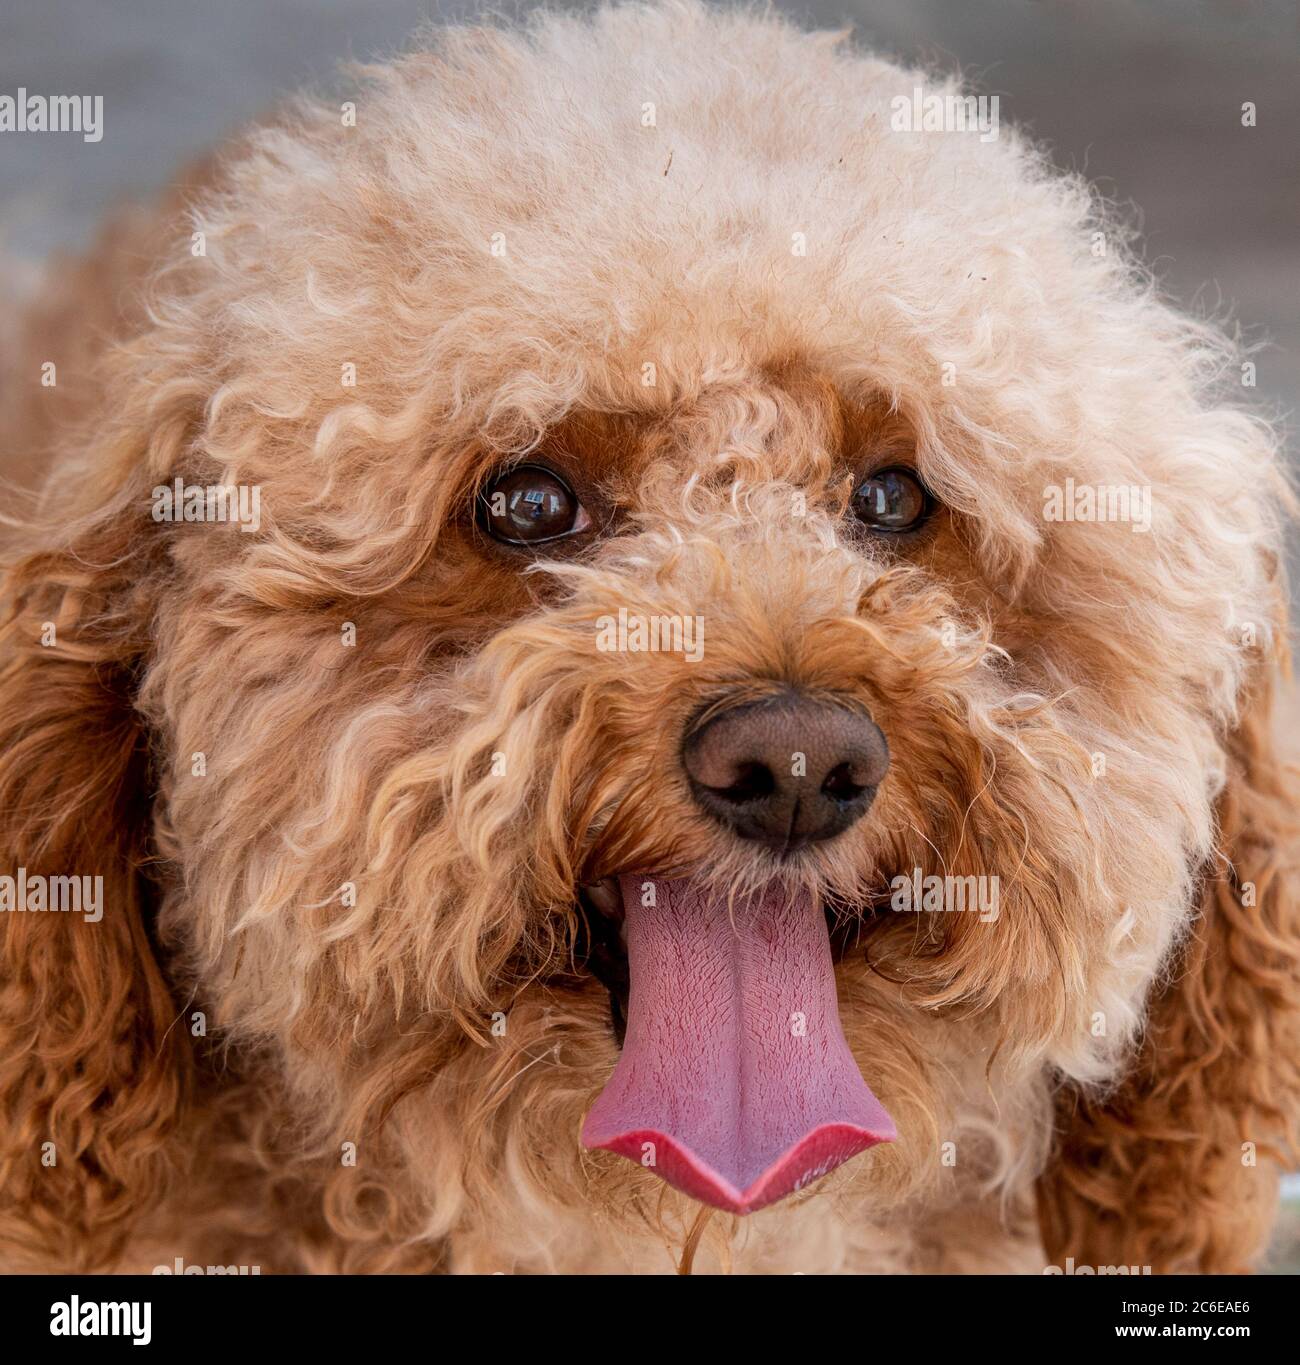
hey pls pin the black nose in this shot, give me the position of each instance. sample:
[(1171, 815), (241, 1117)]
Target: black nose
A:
[(787, 771)]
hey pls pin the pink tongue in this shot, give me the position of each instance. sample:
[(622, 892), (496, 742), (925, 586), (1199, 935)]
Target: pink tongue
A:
[(735, 1084)]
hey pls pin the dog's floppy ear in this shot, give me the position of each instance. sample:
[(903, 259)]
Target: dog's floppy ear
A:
[(1176, 1170), (92, 1073)]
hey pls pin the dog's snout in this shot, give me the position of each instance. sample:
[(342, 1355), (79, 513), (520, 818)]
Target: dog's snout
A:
[(787, 771)]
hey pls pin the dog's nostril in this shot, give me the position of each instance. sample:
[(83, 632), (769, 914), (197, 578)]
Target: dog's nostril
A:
[(841, 785), (752, 782)]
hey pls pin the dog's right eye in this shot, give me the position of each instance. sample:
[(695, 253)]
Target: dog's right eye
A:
[(528, 505), (892, 501)]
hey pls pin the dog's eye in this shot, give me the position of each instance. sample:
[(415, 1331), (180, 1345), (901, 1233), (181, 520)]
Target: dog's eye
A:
[(892, 500), (529, 504)]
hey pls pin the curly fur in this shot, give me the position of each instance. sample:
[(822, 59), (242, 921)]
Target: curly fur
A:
[(1001, 654)]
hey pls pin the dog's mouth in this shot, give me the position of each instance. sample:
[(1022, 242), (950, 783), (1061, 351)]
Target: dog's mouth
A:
[(735, 1083), (604, 946)]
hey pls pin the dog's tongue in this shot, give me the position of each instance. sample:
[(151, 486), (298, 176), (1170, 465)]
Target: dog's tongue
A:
[(735, 1084)]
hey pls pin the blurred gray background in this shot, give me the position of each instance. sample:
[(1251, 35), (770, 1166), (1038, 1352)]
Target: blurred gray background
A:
[(1144, 96)]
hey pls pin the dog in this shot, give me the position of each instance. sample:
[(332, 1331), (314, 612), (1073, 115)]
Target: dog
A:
[(649, 670)]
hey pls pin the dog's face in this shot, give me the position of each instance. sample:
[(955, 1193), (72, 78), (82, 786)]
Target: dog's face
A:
[(659, 635)]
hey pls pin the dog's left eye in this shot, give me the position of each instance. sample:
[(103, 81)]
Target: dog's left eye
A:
[(892, 500), (530, 504)]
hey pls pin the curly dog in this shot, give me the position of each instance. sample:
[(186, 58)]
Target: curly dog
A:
[(613, 657)]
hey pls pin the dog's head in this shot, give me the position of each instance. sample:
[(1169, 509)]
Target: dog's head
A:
[(734, 597)]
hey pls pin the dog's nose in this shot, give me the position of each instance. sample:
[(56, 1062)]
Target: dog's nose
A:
[(787, 771)]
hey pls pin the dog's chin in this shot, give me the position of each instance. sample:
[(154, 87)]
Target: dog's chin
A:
[(734, 1082)]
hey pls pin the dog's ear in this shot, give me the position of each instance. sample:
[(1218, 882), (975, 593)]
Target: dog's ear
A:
[(92, 1072), (1176, 1170)]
